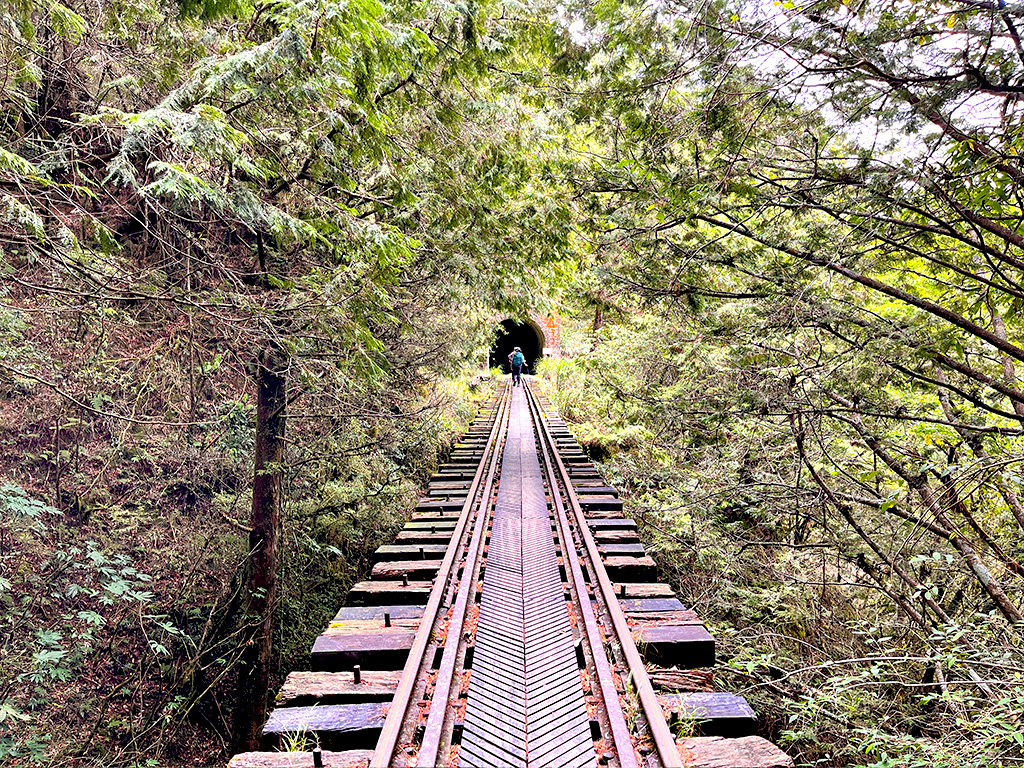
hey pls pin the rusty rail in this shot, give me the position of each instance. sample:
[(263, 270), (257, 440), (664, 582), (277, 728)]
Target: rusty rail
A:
[(434, 729)]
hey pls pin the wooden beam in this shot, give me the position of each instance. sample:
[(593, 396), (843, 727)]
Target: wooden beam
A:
[(302, 689), (716, 714), (747, 752), (335, 725), (351, 758)]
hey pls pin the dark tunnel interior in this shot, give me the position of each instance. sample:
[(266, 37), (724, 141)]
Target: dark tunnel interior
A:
[(512, 334)]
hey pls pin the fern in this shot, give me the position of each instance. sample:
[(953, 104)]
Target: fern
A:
[(66, 23), (21, 510), (176, 183), (16, 164), (15, 212)]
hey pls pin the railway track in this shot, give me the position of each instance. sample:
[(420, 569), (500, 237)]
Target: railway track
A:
[(522, 612)]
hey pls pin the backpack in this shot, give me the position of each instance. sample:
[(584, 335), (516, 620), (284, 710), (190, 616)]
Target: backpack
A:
[(516, 358)]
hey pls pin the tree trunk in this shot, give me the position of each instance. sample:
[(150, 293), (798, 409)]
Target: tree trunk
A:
[(1009, 370), (254, 674), (598, 318)]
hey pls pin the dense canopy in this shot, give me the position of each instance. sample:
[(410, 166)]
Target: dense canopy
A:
[(252, 254)]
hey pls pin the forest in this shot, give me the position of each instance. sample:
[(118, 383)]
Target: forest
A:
[(253, 252)]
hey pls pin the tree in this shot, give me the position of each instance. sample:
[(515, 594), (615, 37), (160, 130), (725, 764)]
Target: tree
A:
[(812, 258), (264, 542), (330, 185)]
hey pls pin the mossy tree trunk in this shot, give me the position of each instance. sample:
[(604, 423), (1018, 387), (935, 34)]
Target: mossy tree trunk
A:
[(255, 670)]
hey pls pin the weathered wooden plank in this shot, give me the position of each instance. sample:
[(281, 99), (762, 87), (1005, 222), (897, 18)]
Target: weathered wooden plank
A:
[(611, 523), (350, 758), (576, 460), (371, 626), (632, 549), (368, 612), (335, 725), (302, 689), (604, 514), (444, 524), (572, 454), (410, 551), (616, 537), (717, 714), (596, 490), (414, 569), (433, 517), (390, 593), (450, 485), (643, 589), (632, 568), (440, 505), (448, 493), (746, 752), (424, 536), (685, 646), (651, 605), (449, 476), (340, 648), (675, 618), (600, 503)]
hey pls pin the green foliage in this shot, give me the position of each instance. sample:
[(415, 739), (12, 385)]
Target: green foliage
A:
[(355, 184), (800, 365), (22, 512), (747, 539), (55, 606), (213, 9)]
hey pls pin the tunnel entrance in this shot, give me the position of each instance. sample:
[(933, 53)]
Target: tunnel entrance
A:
[(512, 334)]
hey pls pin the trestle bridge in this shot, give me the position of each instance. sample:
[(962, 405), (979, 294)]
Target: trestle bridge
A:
[(515, 621)]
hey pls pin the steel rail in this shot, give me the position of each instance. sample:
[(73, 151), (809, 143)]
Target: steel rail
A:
[(664, 743), (430, 745), (388, 740), (613, 707)]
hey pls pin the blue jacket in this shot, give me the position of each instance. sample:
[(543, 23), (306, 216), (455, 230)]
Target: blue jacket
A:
[(516, 358)]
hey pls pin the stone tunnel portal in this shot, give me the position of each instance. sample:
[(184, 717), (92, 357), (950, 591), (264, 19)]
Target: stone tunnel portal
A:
[(512, 334)]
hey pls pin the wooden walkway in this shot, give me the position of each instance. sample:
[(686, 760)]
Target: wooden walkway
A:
[(525, 705), (503, 628)]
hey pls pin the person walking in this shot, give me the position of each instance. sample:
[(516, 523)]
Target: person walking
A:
[(516, 361)]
